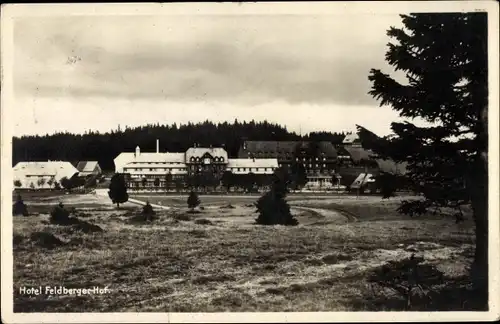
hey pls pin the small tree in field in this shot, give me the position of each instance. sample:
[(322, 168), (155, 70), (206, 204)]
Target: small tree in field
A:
[(32, 186), (59, 215), (227, 180), (51, 182), (193, 200), (19, 207), (57, 186), (168, 181), (41, 182), (118, 190), (387, 183), (67, 183), (407, 277), (272, 206), (148, 212), (17, 183), (178, 184)]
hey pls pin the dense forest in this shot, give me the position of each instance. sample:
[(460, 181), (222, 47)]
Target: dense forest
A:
[(104, 147)]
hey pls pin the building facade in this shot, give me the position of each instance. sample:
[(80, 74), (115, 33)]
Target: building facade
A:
[(319, 159), (42, 175), (198, 167), (88, 168)]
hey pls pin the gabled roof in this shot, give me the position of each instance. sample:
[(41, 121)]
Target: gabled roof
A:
[(358, 153), (280, 148), (351, 138), (151, 157), (125, 158), (87, 166), (57, 169), (198, 152)]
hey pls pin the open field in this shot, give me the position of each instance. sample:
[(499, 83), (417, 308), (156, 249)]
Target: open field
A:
[(218, 260)]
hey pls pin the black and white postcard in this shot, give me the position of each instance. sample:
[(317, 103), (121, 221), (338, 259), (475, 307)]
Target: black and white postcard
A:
[(250, 162)]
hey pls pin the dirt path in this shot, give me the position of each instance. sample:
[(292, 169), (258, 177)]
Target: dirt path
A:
[(101, 193), (328, 216)]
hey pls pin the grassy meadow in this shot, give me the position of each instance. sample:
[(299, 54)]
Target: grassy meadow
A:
[(218, 260)]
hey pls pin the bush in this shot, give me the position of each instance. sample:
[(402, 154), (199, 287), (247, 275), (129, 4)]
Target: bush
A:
[(193, 201), (203, 221), (87, 227), (272, 206), (46, 240), (118, 190), (148, 212), (59, 215), (19, 207), (406, 277)]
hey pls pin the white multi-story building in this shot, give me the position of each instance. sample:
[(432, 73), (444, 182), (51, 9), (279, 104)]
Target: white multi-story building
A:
[(149, 170), (41, 175), (256, 166)]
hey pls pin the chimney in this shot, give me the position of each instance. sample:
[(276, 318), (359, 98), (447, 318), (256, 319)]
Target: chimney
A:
[(157, 146), (137, 151)]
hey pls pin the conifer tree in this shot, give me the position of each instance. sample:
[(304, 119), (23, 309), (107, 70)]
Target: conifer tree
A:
[(193, 201), (444, 58), (272, 207), (118, 190)]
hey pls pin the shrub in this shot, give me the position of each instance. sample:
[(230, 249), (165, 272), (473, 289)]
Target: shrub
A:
[(17, 183), (272, 206), (203, 221), (118, 190), (406, 277), (45, 240), (193, 201), (19, 207), (148, 212), (59, 215)]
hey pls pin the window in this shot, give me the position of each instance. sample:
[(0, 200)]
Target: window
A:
[(239, 169)]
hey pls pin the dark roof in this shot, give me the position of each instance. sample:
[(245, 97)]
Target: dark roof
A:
[(86, 166), (358, 153), (282, 148)]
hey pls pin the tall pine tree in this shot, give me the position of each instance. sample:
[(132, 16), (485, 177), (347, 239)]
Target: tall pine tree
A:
[(444, 58)]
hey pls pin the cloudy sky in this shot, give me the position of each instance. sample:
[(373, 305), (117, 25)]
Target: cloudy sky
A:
[(308, 72)]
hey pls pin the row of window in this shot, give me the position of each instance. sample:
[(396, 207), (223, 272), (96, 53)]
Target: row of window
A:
[(310, 165), (156, 162), (252, 169), (155, 169), (199, 159), (286, 153)]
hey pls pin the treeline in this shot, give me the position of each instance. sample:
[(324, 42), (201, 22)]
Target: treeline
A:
[(104, 147)]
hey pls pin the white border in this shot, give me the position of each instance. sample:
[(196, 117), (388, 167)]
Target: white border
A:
[(8, 12)]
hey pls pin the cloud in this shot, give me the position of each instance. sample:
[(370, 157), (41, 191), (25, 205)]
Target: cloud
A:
[(232, 59)]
